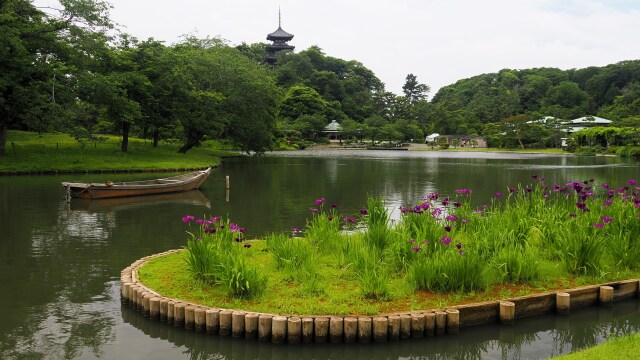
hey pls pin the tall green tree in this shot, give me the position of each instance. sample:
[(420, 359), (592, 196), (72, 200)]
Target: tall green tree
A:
[(29, 46), (413, 90), (225, 95)]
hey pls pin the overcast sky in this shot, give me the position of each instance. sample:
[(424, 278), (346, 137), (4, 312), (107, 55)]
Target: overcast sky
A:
[(440, 41)]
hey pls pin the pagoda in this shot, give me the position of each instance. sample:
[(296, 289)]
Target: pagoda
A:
[(279, 38)]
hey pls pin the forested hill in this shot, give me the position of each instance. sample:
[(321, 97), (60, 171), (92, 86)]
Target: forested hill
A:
[(612, 91)]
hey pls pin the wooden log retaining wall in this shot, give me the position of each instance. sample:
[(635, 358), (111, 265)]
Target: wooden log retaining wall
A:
[(278, 328)]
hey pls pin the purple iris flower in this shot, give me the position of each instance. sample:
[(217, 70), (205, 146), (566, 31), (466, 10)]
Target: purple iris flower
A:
[(606, 219), (445, 240), (188, 218)]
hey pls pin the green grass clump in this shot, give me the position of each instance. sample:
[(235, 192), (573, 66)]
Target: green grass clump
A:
[(216, 256)]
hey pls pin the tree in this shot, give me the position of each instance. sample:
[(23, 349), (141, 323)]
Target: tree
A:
[(413, 90), (225, 95), (301, 100), (566, 100), (29, 42), (374, 127)]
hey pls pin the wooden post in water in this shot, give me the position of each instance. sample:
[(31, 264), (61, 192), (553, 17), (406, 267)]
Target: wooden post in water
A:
[(294, 330), (417, 325), (154, 308), (321, 329), (178, 316), (164, 308), (227, 182), (441, 322), (225, 322), (251, 326), (405, 326), (200, 319), (350, 325), (394, 327), (563, 303), (171, 312), (430, 323), (380, 329), (278, 329), (264, 327), (336, 329), (364, 329), (189, 317), (212, 318), (237, 323), (146, 303), (606, 295), (507, 312), (307, 329), (453, 321)]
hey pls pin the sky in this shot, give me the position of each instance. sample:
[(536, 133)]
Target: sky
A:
[(439, 41)]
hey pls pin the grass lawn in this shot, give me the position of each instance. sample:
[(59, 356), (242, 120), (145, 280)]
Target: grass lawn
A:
[(27, 151), (619, 348)]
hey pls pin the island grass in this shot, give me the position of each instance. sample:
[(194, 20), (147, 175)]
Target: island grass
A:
[(617, 348), (341, 294), (28, 151), (442, 252)]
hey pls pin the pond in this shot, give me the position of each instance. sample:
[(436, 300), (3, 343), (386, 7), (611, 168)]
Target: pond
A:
[(60, 262)]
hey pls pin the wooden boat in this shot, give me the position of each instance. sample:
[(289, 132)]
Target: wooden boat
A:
[(110, 189), (193, 198)]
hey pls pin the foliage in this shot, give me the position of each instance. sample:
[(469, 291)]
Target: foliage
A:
[(216, 256)]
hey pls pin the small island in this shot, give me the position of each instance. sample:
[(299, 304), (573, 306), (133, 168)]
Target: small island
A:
[(536, 249)]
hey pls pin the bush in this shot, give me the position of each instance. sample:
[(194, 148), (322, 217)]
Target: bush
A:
[(629, 151)]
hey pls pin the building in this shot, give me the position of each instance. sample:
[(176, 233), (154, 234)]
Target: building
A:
[(586, 122), (332, 131), (468, 141), (280, 40)]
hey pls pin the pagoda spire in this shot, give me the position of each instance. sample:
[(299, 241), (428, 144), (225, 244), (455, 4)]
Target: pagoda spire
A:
[(280, 40)]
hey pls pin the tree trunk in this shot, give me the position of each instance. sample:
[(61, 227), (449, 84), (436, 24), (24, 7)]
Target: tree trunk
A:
[(3, 139), (156, 137), (125, 136), (191, 142)]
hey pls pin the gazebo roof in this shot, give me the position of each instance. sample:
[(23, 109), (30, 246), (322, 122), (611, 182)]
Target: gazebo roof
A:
[(590, 120), (333, 127)]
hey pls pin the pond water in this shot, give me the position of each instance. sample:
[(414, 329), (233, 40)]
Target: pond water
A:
[(60, 262)]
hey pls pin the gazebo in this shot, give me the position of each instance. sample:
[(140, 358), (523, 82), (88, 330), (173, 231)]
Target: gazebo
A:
[(333, 130)]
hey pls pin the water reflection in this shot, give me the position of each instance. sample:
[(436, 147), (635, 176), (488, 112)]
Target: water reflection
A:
[(529, 338)]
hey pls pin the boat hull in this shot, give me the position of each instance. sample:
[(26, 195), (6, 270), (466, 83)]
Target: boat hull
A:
[(136, 188)]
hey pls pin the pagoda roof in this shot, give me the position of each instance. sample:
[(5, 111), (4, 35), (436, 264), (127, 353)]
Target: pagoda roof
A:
[(279, 34)]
